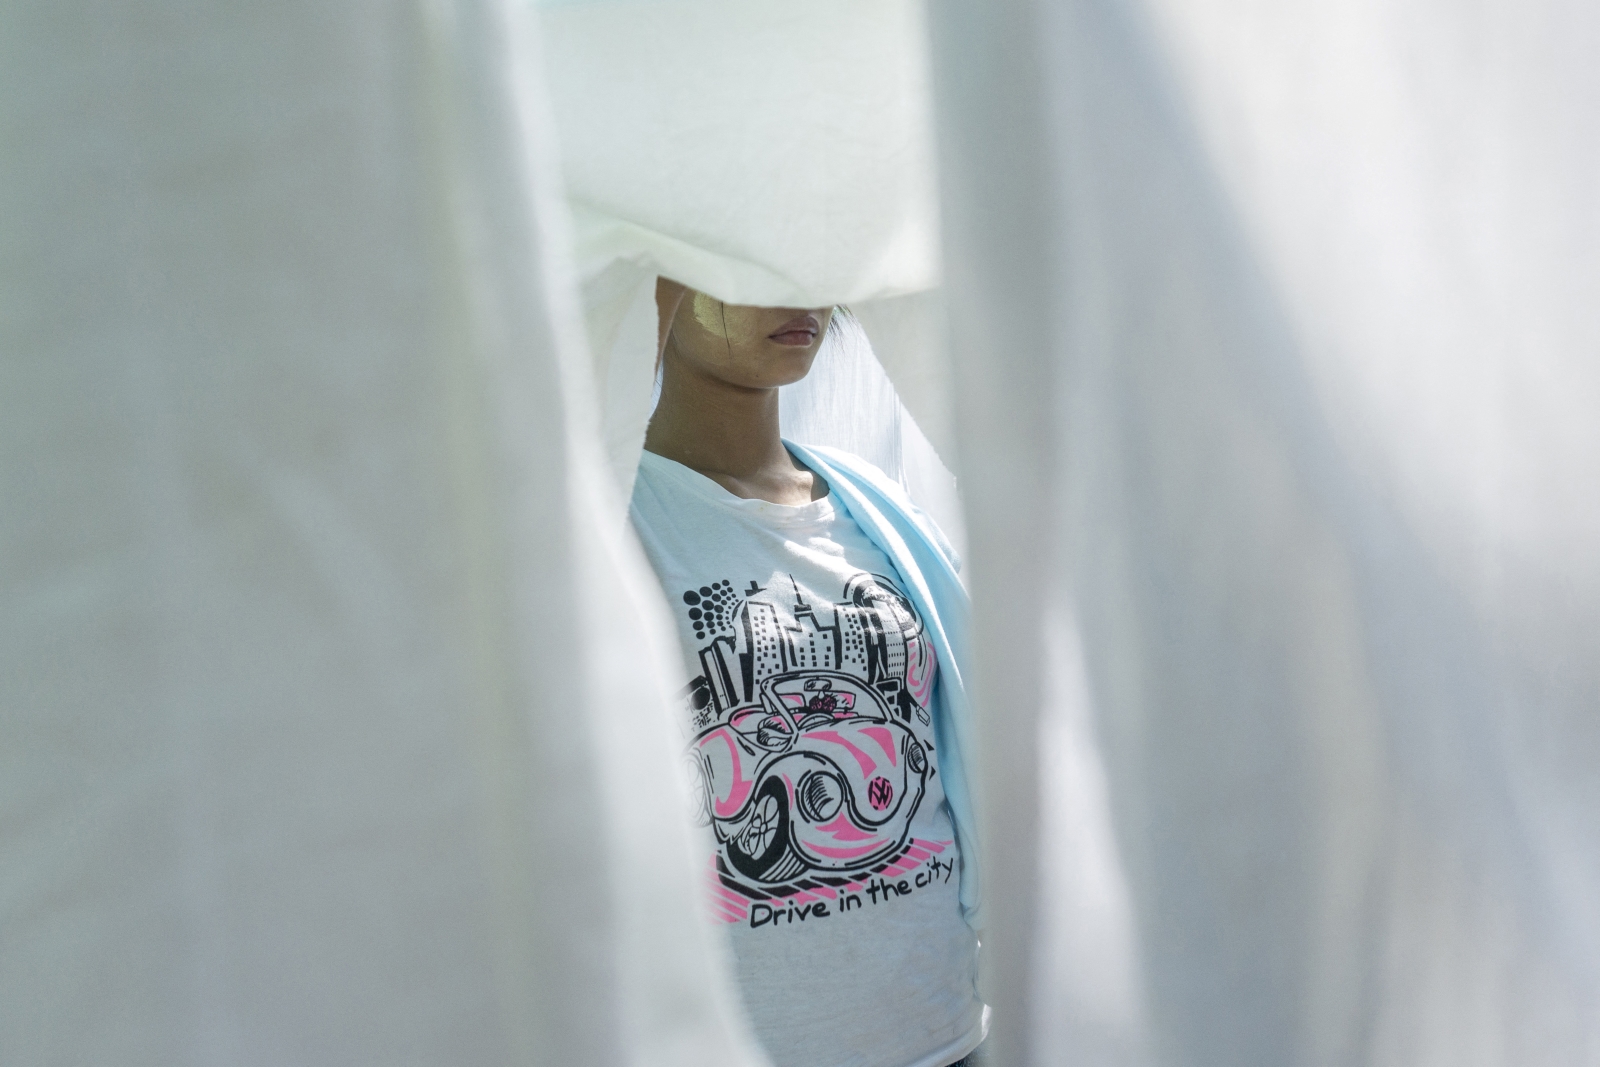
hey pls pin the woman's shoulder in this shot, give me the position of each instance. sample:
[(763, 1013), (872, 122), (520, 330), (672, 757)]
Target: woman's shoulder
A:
[(836, 462), (852, 464)]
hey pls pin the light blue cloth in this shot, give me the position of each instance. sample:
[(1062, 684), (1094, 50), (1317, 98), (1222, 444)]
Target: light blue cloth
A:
[(928, 568)]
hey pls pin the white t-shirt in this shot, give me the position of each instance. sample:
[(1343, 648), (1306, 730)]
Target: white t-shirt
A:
[(807, 730)]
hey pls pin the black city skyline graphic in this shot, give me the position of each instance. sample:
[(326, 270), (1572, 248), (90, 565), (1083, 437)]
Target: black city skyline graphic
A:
[(812, 744)]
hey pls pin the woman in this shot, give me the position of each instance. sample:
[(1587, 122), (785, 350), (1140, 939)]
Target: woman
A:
[(823, 625)]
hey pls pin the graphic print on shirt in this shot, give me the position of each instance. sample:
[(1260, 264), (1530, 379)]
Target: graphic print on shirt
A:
[(812, 745)]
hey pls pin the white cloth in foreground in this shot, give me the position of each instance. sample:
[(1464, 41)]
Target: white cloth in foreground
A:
[(1276, 387), (335, 706)]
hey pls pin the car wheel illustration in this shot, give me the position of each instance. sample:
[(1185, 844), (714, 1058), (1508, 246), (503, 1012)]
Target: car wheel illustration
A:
[(819, 795), (761, 845), (699, 792)]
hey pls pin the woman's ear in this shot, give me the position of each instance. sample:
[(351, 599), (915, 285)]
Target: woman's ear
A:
[(669, 295)]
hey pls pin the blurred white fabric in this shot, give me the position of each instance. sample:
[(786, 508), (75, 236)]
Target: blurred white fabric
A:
[(1275, 338), (335, 710), (761, 151)]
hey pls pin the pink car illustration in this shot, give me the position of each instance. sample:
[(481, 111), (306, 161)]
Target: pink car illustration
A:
[(817, 776)]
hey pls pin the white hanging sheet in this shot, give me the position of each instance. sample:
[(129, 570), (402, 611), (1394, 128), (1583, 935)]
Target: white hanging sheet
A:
[(1275, 394), (335, 706)]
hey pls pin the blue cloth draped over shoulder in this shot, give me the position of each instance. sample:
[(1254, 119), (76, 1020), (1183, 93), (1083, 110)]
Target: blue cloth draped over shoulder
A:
[(928, 570)]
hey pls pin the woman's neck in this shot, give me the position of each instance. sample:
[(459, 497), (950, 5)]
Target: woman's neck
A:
[(729, 434)]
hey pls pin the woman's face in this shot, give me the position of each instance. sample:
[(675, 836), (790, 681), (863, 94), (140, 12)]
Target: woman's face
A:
[(752, 347)]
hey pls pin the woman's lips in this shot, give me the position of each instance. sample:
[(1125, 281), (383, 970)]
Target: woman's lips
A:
[(798, 332)]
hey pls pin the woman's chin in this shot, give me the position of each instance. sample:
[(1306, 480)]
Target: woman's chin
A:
[(793, 364)]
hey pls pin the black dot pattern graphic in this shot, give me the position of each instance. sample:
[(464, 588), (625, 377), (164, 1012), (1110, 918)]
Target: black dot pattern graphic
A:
[(711, 607)]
